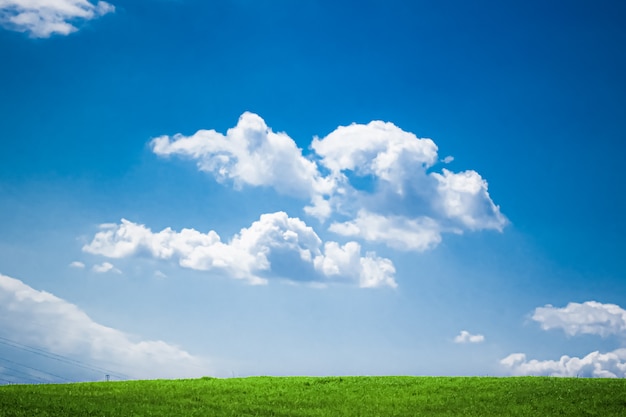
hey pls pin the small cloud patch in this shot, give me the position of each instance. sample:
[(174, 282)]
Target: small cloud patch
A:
[(42, 19), (105, 267), (467, 337)]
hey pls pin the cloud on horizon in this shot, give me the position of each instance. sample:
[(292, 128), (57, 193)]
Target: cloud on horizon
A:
[(590, 317), (42, 19), (593, 365), (42, 320)]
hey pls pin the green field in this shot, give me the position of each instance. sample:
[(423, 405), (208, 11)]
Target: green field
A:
[(335, 396)]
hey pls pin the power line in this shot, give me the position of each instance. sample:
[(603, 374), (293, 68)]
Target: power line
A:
[(35, 369), (25, 374), (60, 358)]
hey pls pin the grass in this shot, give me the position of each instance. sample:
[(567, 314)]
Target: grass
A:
[(334, 396)]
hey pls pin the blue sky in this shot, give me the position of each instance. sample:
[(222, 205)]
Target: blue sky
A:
[(236, 188)]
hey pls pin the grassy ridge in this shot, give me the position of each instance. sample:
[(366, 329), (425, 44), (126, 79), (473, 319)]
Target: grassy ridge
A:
[(336, 396)]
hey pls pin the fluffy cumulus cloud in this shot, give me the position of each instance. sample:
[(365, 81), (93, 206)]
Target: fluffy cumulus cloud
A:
[(42, 18), (250, 254), (467, 337), (590, 317), (40, 320), (375, 180), (249, 154), (464, 199), (595, 364), (379, 149), (370, 271)]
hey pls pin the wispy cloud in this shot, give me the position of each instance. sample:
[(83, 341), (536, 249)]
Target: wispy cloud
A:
[(40, 319), (467, 337), (395, 231), (249, 254), (43, 18), (105, 267), (77, 264)]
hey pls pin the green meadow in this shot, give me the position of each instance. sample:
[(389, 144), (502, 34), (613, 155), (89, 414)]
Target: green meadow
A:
[(333, 396)]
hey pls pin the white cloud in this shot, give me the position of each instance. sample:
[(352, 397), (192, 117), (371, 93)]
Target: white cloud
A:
[(77, 264), (375, 177), (595, 364), (467, 337), (370, 271), (396, 164), (463, 197), (250, 253), (40, 319), (448, 159), (42, 18), (590, 317), (406, 207), (249, 154), (395, 231), (378, 148), (105, 267)]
